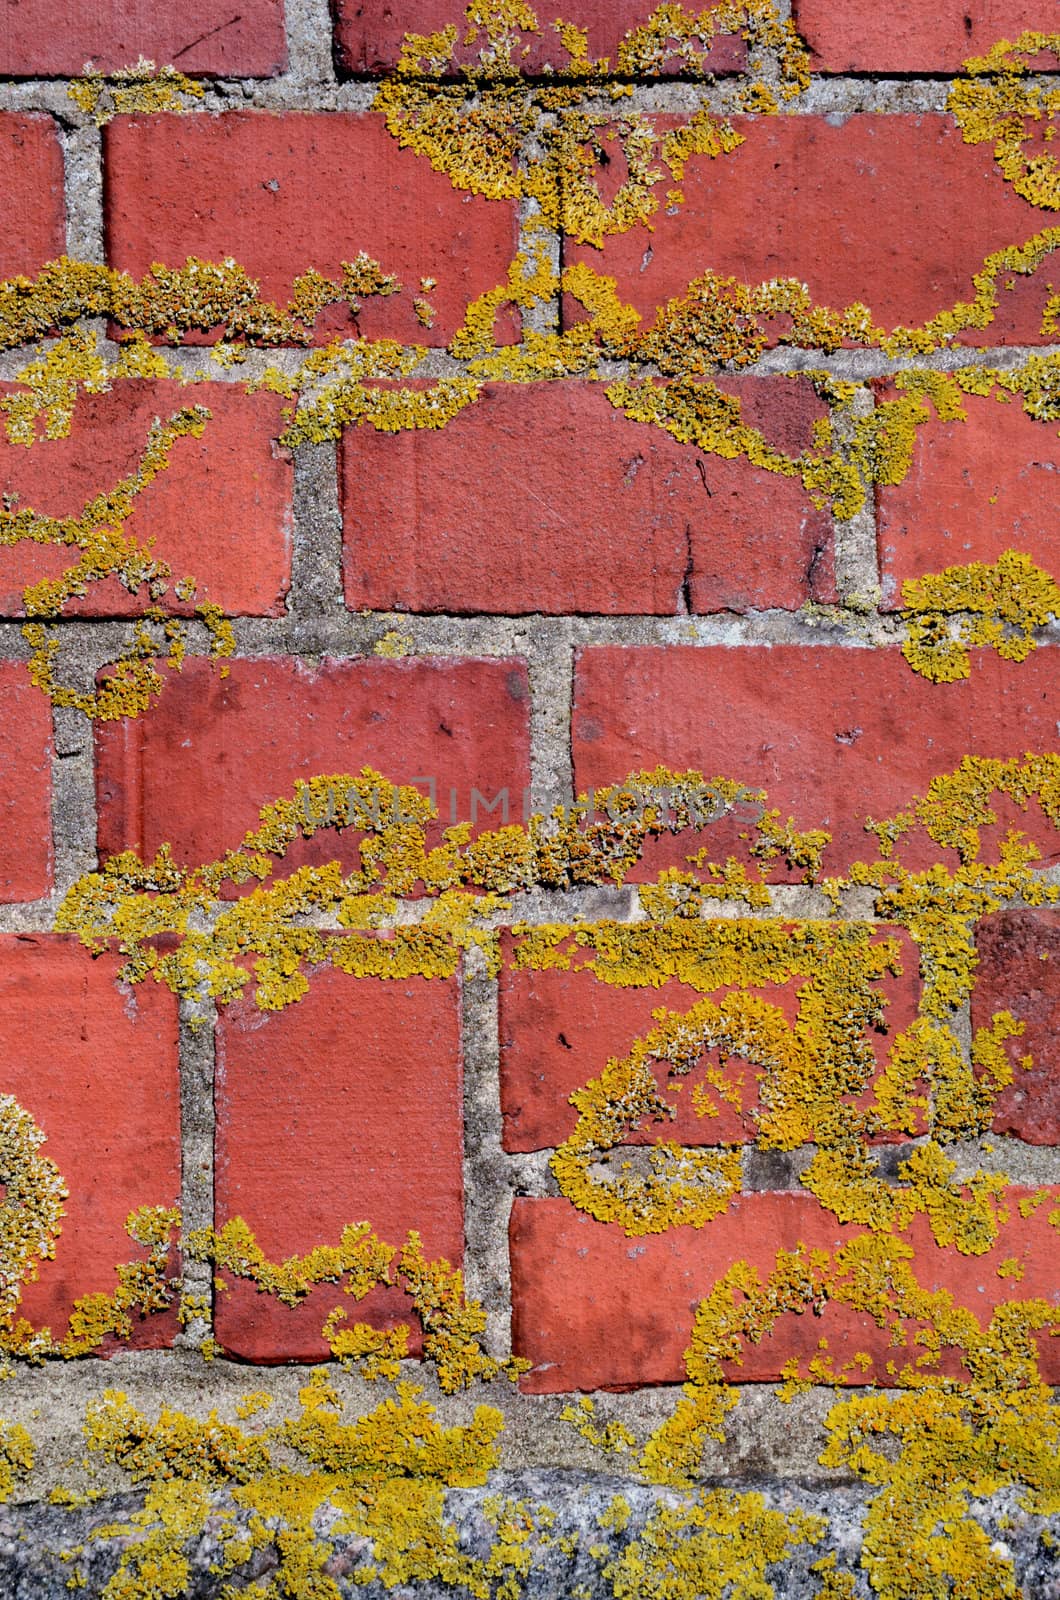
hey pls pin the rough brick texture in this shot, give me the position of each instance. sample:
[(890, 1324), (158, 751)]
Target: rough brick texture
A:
[(220, 512), (491, 513), (833, 736), (105, 1093), (32, 228), (40, 38), (975, 488), (343, 1108), (283, 193), (369, 33), (1019, 971), (197, 768), (557, 1030), (25, 787), (858, 36), (595, 1309), (894, 212)]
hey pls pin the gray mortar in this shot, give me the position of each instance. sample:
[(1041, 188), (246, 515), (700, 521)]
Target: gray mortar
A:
[(197, 1039), (487, 1177), (31, 1538)]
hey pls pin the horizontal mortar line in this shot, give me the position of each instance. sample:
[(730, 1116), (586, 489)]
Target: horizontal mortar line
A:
[(464, 638), (583, 906), (781, 361), (1014, 1159), (828, 95)]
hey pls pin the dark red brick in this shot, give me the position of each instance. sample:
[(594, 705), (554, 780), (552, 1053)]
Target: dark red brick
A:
[(282, 193), (833, 735), (975, 489), (1019, 971), (345, 1107), (369, 33), (558, 1029), (858, 36), (595, 1309), (25, 786), (895, 212), (196, 769), (492, 513), (33, 211), (101, 1082), (45, 39), (220, 512)]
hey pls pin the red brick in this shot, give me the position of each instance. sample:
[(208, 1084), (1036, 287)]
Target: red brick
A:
[(44, 38), (32, 214), (220, 512), (558, 1029), (345, 1107), (196, 769), (910, 37), (491, 512), (25, 786), (595, 1309), (1019, 971), (369, 33), (833, 735), (102, 1084), (895, 212), (281, 193), (975, 488)]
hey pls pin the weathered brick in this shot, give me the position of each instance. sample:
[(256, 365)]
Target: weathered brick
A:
[(95, 1065), (595, 1309), (893, 212), (281, 193), (975, 488), (44, 38), (25, 786), (345, 1107), (491, 512), (909, 37), (832, 735), (1019, 971), (369, 33), (197, 768), (559, 1028), (32, 213), (220, 512)]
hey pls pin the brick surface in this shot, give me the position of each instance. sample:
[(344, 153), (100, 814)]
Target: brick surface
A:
[(975, 489), (833, 735), (492, 513), (908, 36), (25, 786), (284, 193), (220, 512), (558, 1029), (894, 212), (32, 210), (594, 1309), (1019, 971), (196, 769), (343, 1108), (369, 33), (95, 1065), (44, 38)]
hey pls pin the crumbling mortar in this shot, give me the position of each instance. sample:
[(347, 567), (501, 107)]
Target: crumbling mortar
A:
[(197, 1071), (487, 1183)]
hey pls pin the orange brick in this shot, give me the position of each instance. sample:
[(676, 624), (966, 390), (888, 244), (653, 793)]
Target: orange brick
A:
[(220, 512), (345, 1107), (100, 1079), (25, 786)]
